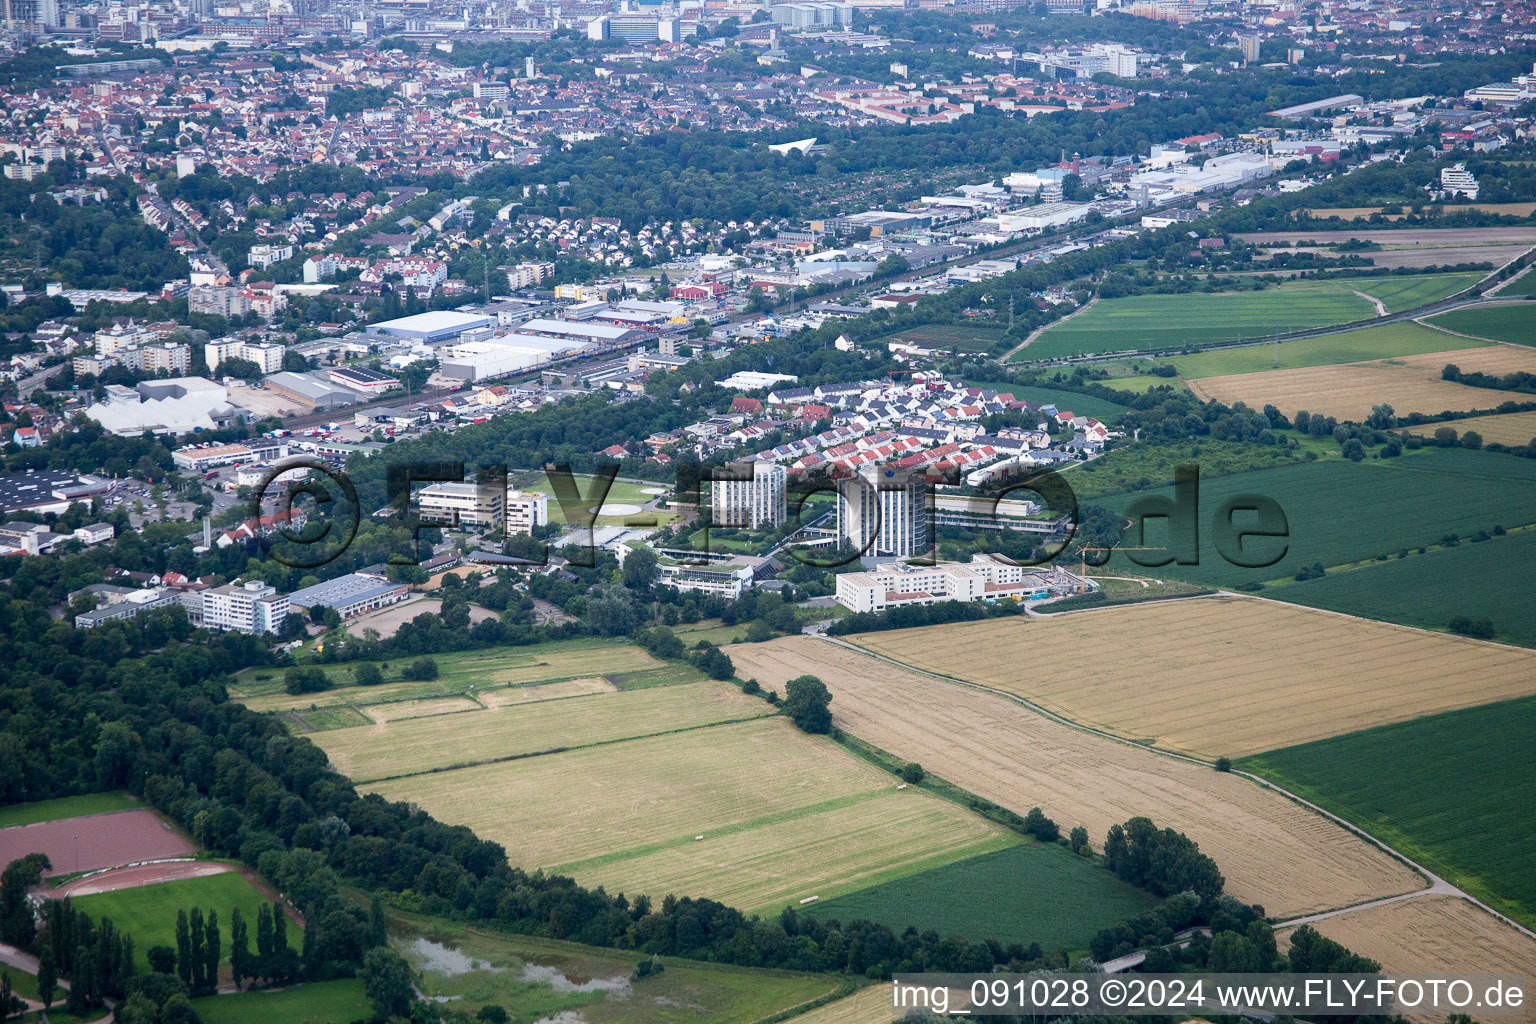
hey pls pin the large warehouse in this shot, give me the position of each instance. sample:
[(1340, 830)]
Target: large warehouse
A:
[(507, 353), (439, 325), (608, 335), (310, 391)]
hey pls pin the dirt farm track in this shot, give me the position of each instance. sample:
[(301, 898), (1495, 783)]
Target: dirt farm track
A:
[(96, 841), (1274, 852)]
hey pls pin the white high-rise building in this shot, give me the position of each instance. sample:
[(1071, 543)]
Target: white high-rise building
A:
[(883, 513), (252, 607), (755, 501), (526, 510)]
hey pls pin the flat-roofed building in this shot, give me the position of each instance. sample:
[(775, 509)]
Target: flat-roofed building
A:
[(310, 391), (526, 510), (253, 608), (438, 325), (461, 504), (350, 595), (129, 607)]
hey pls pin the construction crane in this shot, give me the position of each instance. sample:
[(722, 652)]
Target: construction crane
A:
[(1083, 556)]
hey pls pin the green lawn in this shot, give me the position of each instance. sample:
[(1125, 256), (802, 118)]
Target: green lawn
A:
[(323, 1002), (149, 912), (516, 973), (1515, 323), (1451, 791), (1028, 893), (1143, 383), (456, 671), (1381, 342), (1162, 322), (1083, 405), (65, 807), (1407, 291), (1486, 580), (1340, 512), (963, 337), (619, 493)]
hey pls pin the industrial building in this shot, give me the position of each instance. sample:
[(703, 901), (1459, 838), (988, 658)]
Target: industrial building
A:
[(350, 595), (500, 355), (1316, 108), (439, 325), (603, 335), (310, 391)]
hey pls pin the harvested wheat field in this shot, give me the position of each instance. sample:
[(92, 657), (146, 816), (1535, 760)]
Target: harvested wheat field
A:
[(759, 792), (400, 710), (410, 746), (508, 695), (1511, 428), (1220, 676), (870, 1005), (1349, 390), (1433, 935), (1272, 851), (824, 853)]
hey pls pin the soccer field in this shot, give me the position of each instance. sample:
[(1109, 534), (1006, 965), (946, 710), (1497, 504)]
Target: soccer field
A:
[(149, 912)]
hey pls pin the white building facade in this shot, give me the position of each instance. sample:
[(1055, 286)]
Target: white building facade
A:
[(755, 498)]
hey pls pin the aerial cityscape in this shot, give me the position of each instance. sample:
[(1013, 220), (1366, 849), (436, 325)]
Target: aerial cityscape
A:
[(757, 511)]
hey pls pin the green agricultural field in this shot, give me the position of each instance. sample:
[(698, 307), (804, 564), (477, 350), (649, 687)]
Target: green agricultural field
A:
[(331, 1002), (1524, 286), (457, 673), (1514, 323), (414, 745), (1083, 405), (1452, 791), (1412, 500), (1408, 291), (1145, 464), (65, 807), (474, 967), (961, 337), (1027, 893), (330, 718), (1159, 322), (149, 912), (1382, 342), (1485, 580)]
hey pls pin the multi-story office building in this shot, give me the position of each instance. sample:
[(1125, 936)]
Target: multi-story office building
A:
[(462, 504), (252, 607), (526, 510), (883, 513), (749, 496)]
